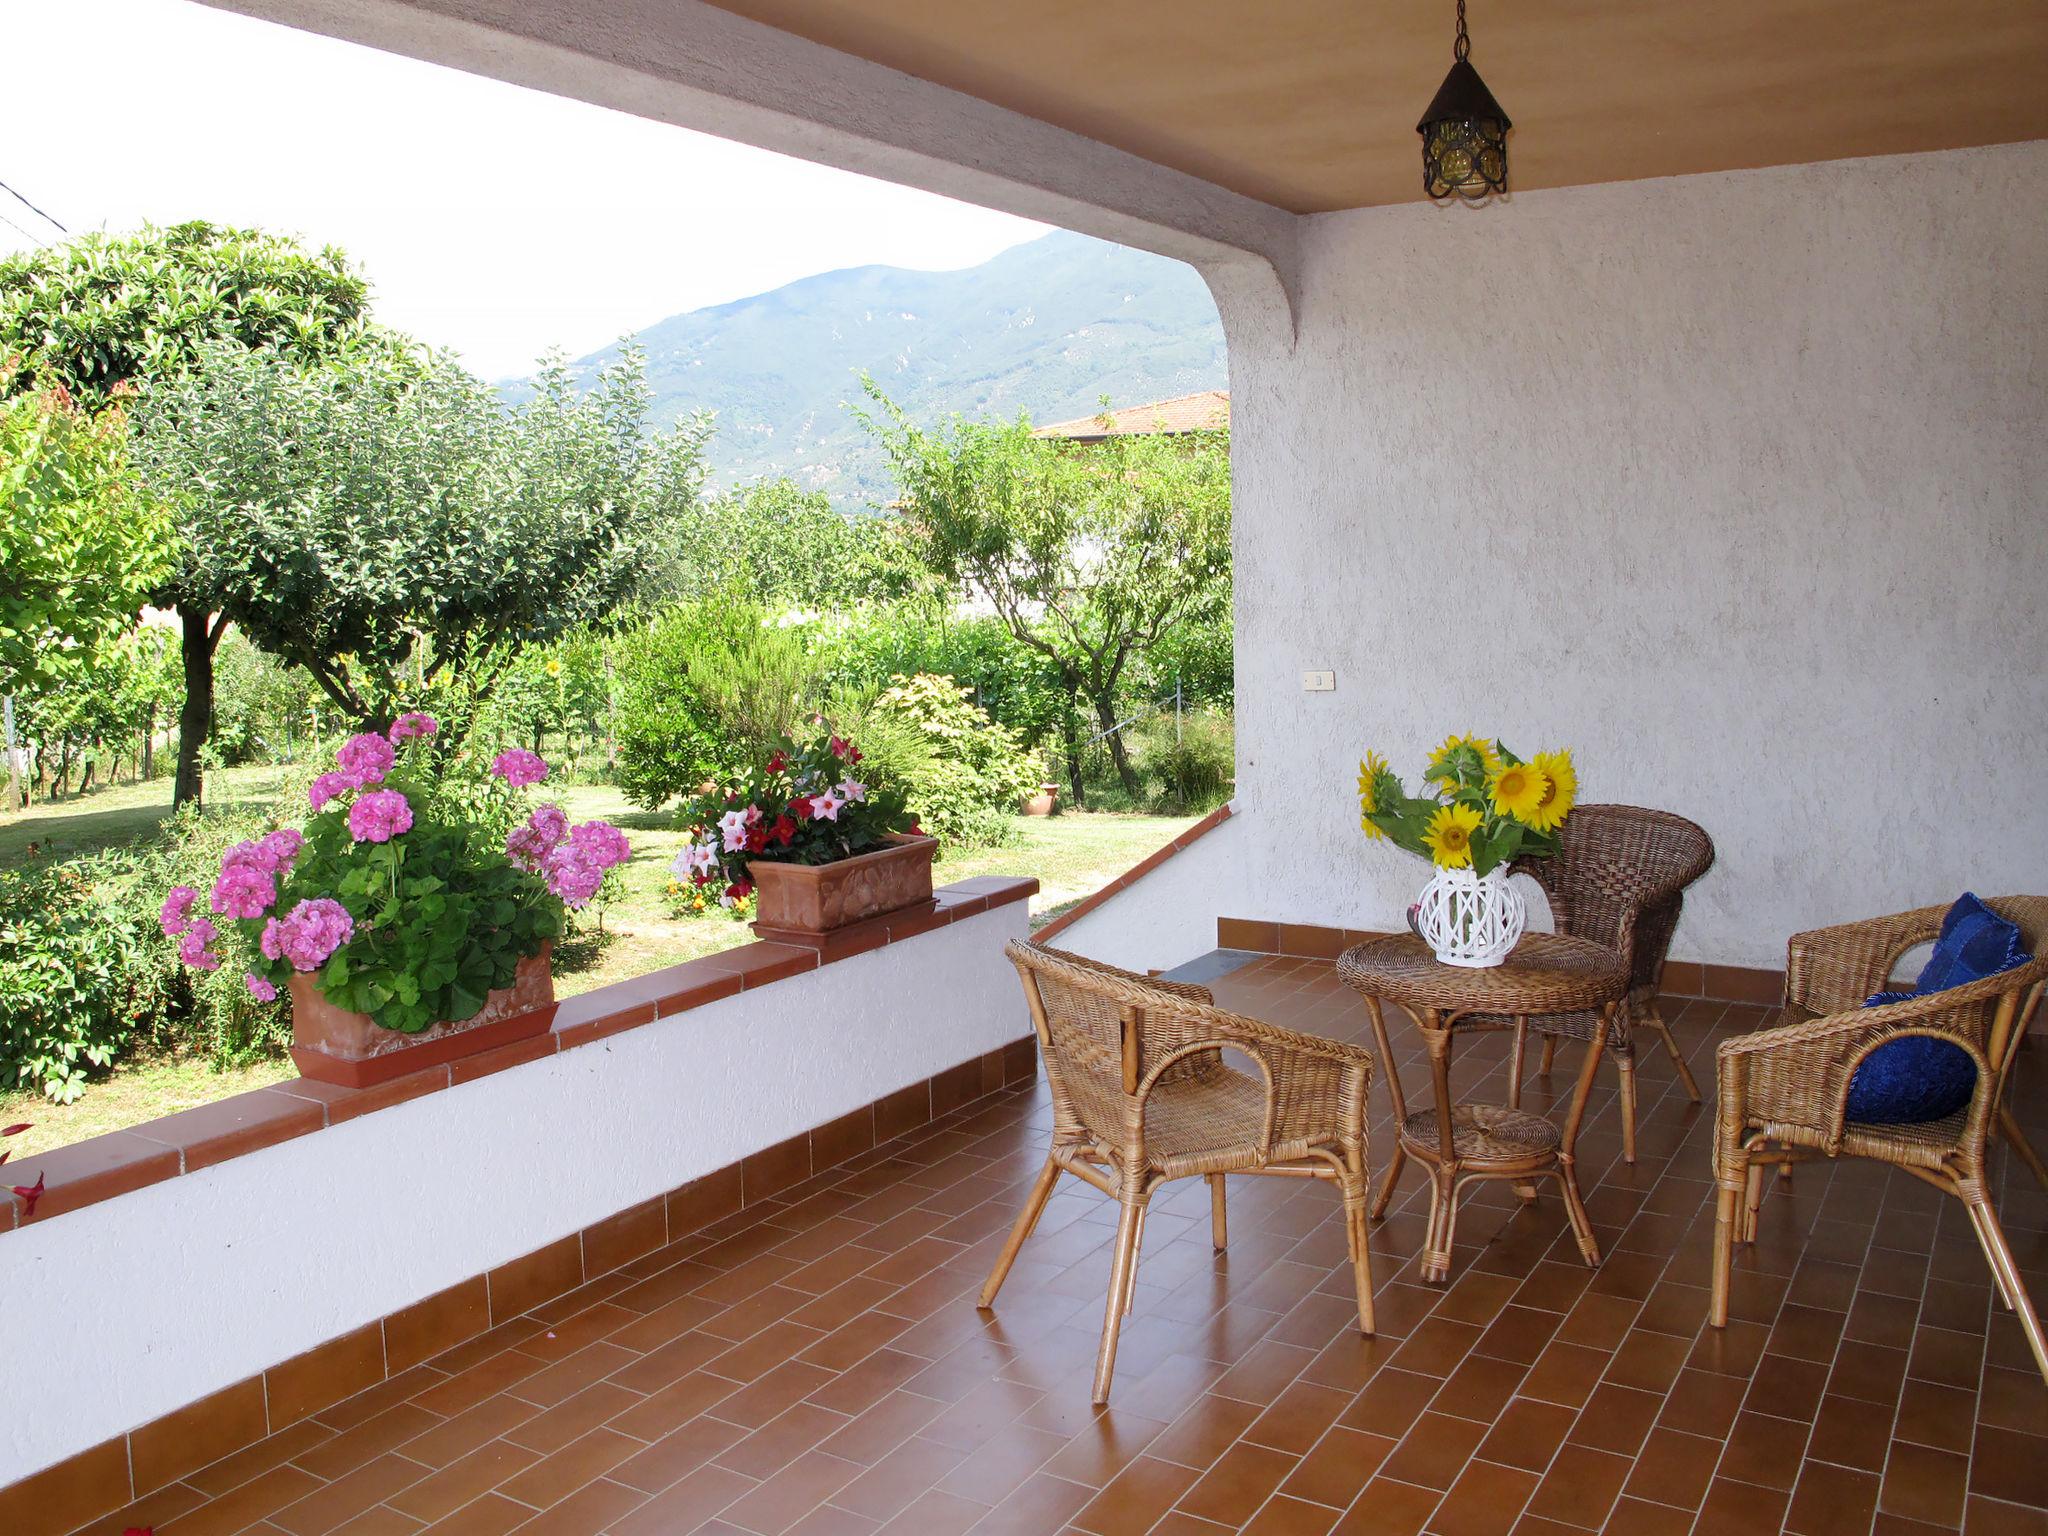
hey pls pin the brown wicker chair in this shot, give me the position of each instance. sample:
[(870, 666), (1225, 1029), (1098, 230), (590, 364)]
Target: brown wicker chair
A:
[(1619, 879), (1783, 1088), (1141, 1095)]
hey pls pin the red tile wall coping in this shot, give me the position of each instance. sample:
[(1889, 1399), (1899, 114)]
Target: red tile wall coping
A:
[(114, 1473), (1136, 872), (1682, 978), (87, 1172)]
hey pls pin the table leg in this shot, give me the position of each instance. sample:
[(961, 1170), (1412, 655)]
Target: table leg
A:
[(1567, 1170), (1443, 1218), (1379, 1205), (1515, 1062)]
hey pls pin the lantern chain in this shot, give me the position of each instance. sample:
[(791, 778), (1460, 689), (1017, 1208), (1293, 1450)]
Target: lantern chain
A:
[(1461, 49)]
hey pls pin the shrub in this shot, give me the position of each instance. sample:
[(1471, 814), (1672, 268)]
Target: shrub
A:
[(1193, 763), (704, 691), (82, 970), (1015, 685), (962, 773)]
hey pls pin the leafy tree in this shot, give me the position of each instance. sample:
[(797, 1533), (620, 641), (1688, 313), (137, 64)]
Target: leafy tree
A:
[(383, 522), (78, 548), (782, 547), (103, 312), (1091, 553)]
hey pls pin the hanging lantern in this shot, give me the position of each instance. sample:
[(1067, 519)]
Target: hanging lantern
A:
[(1464, 133)]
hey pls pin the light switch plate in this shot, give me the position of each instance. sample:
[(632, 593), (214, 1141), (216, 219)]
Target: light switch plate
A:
[(1318, 682)]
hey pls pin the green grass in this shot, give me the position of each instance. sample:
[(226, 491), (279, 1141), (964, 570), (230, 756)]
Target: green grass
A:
[(1071, 854)]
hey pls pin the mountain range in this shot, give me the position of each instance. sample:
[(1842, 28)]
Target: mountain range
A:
[(1048, 327)]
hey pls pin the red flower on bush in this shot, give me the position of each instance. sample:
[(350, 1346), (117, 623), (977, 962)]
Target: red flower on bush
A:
[(783, 832), (777, 763), (800, 807)]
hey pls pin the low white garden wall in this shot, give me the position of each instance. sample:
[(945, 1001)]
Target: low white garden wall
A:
[(125, 1310)]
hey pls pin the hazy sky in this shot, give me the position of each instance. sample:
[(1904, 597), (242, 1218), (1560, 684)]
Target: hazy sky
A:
[(488, 218)]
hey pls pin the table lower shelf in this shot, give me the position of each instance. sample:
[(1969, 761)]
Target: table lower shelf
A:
[(1482, 1134)]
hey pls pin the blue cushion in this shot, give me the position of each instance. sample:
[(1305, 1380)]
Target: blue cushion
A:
[(1916, 1079)]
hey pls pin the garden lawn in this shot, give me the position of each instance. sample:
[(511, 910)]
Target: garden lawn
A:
[(1071, 855)]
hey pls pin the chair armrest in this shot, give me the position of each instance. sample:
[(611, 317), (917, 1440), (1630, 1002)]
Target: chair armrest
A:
[(1828, 970), (1798, 1075)]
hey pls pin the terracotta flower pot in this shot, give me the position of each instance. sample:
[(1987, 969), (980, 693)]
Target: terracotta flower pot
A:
[(1041, 804), (800, 901), (333, 1045)]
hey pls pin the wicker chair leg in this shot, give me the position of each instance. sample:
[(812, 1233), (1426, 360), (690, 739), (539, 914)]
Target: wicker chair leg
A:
[(1625, 1059), (1027, 1222), (1753, 1200), (1394, 1166), (1355, 1232), (1123, 1262), (1131, 1274), (1549, 1055), (1515, 1063), (1219, 1224), (2009, 1129), (1653, 1020), (1996, 1249), (1725, 1199)]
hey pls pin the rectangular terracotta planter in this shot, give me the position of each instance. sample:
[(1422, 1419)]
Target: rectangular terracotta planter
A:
[(333, 1045), (801, 901)]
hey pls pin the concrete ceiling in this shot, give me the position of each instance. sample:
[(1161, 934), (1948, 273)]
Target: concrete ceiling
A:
[(1311, 104)]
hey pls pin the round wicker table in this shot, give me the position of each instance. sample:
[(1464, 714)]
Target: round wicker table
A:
[(1459, 1143)]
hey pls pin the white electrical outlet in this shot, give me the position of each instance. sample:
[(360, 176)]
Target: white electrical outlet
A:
[(1318, 682)]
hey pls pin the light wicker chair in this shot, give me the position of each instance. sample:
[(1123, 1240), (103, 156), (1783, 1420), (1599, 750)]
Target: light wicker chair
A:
[(1783, 1089), (1142, 1095), (1619, 879)]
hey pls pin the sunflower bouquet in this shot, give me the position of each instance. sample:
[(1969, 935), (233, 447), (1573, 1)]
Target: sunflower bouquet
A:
[(1481, 805)]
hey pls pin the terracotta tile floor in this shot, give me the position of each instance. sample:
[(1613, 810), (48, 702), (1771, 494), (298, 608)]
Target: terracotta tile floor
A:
[(818, 1366)]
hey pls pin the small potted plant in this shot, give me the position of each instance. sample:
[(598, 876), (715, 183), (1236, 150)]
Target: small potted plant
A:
[(412, 917), (1481, 808), (814, 844)]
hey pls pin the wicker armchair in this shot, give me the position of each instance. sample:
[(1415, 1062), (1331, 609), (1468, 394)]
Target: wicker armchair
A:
[(1618, 879), (1141, 1095), (1783, 1089)]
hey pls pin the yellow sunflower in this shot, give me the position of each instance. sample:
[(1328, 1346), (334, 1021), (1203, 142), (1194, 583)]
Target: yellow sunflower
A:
[(1561, 791), (1449, 836), (1370, 767), (1518, 788), (1441, 767)]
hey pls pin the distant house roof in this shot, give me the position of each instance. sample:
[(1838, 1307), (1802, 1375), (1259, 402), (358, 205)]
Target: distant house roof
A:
[(1207, 410)]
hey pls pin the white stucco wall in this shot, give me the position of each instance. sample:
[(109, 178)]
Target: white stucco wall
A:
[(1170, 915), (1735, 484), (125, 1310)]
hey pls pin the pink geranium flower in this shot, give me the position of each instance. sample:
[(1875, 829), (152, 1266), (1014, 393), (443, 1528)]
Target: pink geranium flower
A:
[(412, 724), (519, 767), (193, 946), (379, 816), (309, 934), (365, 758), (244, 889), (327, 787), (176, 913), (603, 842), (259, 988)]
